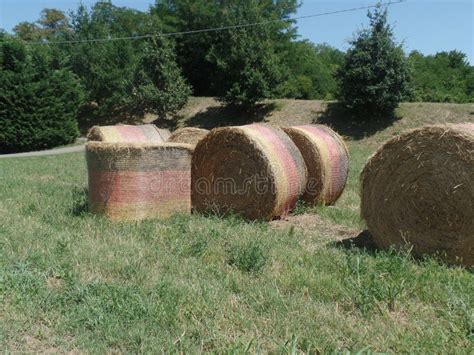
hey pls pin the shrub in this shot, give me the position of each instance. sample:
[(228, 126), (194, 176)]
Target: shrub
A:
[(158, 86), (38, 100), (375, 75), (249, 257), (105, 68), (247, 68)]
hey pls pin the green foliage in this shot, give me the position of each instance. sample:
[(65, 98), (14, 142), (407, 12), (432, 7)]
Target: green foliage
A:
[(247, 68), (375, 75), (126, 77), (443, 77), (158, 86), (312, 70), (52, 23), (39, 98), (28, 31), (240, 66), (105, 68), (182, 15), (248, 257)]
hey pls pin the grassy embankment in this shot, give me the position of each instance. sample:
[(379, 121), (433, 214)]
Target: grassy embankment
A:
[(71, 281)]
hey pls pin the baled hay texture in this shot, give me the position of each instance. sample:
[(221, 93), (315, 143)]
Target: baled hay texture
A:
[(255, 171), (134, 181), (327, 161), (189, 135), (418, 189), (128, 134)]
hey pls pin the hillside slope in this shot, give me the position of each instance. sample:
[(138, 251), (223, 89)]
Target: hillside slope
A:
[(207, 112)]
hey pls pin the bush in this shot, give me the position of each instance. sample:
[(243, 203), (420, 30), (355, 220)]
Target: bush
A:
[(247, 62), (443, 77), (375, 75), (105, 68), (247, 68), (248, 257), (158, 86), (38, 100), (312, 68)]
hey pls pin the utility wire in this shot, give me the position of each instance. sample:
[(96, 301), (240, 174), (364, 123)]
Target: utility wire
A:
[(215, 29)]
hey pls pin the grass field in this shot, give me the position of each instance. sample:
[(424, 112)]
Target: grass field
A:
[(71, 281)]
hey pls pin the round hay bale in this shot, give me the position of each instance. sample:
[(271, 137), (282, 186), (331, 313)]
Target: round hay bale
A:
[(128, 134), (189, 135), (418, 189), (135, 181), (255, 171), (327, 160)]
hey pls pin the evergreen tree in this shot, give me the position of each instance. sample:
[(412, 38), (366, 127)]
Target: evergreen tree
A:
[(375, 75), (247, 61), (158, 86), (39, 98)]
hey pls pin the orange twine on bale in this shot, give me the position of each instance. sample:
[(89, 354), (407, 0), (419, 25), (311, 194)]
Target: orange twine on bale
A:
[(136, 180), (128, 134), (327, 160), (255, 171)]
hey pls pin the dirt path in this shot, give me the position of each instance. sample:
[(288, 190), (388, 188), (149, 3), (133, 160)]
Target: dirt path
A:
[(73, 149)]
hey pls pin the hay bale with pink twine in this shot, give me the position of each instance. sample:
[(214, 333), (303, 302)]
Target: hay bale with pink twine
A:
[(255, 171), (135, 181), (418, 189), (188, 135), (327, 161), (128, 134)]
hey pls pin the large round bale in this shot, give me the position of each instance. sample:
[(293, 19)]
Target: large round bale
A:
[(189, 135), (128, 134), (255, 171), (418, 190), (327, 160), (135, 181)]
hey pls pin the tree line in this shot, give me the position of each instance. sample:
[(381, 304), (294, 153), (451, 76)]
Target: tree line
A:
[(240, 66)]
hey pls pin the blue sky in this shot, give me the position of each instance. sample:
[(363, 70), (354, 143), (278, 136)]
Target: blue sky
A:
[(425, 25)]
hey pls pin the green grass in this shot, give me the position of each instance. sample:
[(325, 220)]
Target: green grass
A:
[(71, 281)]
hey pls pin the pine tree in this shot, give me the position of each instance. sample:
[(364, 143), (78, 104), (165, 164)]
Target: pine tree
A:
[(39, 99), (375, 75), (158, 86)]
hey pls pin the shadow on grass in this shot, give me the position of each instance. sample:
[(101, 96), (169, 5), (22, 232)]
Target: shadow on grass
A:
[(80, 201), (363, 241), (219, 116), (351, 125)]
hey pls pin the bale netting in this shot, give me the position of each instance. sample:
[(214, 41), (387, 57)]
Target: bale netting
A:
[(255, 171), (128, 134), (418, 191), (136, 181), (189, 135), (327, 161)]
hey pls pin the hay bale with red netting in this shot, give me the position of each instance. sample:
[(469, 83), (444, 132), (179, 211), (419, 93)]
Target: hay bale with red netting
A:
[(189, 135), (327, 160), (418, 190), (255, 171), (135, 181), (128, 134)]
